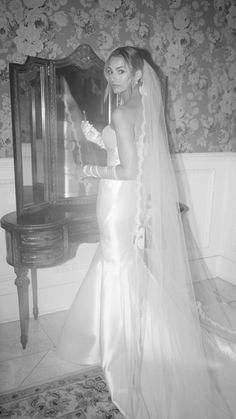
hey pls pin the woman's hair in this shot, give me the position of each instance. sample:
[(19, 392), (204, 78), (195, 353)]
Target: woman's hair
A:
[(131, 56)]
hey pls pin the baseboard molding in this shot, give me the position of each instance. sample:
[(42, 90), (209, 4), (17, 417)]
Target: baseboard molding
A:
[(57, 286), (215, 266), (53, 295), (56, 293), (227, 269), (204, 268)]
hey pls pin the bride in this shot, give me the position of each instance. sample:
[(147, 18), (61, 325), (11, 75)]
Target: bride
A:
[(136, 312)]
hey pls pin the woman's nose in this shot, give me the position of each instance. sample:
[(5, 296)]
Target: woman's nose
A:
[(113, 78)]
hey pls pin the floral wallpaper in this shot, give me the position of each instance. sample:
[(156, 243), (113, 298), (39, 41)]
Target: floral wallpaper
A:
[(193, 41)]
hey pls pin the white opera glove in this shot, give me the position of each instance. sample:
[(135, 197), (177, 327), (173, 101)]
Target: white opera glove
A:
[(105, 172), (92, 134)]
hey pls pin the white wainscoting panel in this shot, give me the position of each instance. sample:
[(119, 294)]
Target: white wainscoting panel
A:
[(227, 233), (196, 187), (206, 184)]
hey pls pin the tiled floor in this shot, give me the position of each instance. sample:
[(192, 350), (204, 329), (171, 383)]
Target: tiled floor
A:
[(39, 363)]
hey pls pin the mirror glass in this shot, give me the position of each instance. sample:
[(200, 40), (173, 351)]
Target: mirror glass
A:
[(32, 133), (50, 98), (79, 95)]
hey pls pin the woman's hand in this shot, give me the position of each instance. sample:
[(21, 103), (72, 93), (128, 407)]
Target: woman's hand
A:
[(90, 133)]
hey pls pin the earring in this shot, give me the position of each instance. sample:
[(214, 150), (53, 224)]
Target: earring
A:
[(107, 92), (134, 83), (142, 88)]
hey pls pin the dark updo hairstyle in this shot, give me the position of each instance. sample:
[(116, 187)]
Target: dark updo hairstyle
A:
[(131, 56)]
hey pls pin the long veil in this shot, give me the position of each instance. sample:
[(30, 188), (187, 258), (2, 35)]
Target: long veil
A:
[(188, 345)]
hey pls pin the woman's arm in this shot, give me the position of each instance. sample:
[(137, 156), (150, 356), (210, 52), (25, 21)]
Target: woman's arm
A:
[(123, 125), (127, 169)]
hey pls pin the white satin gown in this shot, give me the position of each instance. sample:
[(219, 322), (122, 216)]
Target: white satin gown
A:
[(105, 324)]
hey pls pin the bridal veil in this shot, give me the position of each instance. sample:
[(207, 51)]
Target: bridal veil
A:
[(188, 346)]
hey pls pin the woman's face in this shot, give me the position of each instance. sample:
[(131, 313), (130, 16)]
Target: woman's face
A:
[(119, 75)]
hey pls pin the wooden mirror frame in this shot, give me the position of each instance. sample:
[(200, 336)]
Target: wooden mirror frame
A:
[(83, 57)]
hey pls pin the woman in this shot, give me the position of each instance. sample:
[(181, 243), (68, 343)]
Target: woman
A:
[(135, 313)]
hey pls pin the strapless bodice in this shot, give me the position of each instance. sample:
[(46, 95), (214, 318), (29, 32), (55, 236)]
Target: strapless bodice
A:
[(109, 139)]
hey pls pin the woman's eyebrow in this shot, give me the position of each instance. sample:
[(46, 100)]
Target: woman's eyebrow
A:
[(116, 68)]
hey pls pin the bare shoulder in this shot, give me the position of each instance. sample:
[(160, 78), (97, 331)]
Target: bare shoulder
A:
[(120, 116), (127, 115)]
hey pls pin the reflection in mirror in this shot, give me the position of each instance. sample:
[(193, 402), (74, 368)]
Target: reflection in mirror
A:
[(32, 122), (79, 94), (25, 132)]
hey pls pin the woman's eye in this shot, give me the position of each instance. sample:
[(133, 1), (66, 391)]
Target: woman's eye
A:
[(108, 72), (121, 71)]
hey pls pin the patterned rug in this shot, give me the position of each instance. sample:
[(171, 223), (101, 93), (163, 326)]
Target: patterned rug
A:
[(84, 396)]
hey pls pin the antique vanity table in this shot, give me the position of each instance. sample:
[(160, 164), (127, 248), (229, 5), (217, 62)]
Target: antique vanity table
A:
[(54, 212)]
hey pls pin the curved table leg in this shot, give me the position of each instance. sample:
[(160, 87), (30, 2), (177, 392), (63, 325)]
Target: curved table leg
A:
[(22, 283)]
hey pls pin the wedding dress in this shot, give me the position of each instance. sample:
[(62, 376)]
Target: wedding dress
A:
[(135, 313)]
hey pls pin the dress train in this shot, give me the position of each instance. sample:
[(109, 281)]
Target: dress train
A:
[(154, 366)]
